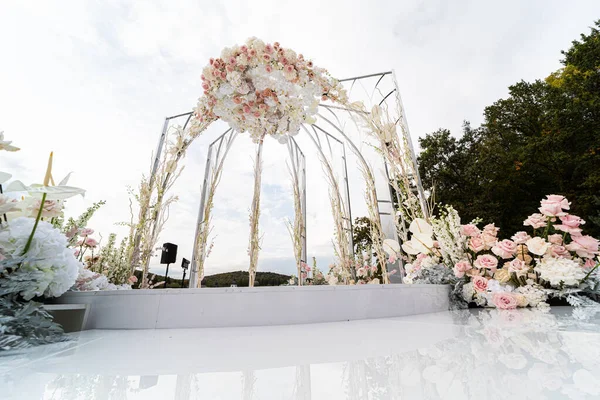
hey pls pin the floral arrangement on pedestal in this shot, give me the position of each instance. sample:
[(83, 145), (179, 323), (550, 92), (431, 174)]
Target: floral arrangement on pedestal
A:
[(556, 261)]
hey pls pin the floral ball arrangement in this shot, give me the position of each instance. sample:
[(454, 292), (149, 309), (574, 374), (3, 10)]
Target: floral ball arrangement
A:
[(51, 267), (263, 89)]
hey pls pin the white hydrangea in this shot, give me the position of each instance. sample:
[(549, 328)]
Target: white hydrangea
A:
[(559, 271), (536, 297), (89, 281), (54, 268)]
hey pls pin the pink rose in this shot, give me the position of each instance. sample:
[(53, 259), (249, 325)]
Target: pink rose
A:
[(86, 232), (269, 69), (585, 246), (555, 239), (132, 279), (480, 284), (491, 229), (470, 230), (476, 244), (91, 242), (589, 263), (460, 268), (536, 221), (486, 261), (504, 300), (520, 237), (517, 266), (505, 248), (559, 251), (570, 224), (554, 205)]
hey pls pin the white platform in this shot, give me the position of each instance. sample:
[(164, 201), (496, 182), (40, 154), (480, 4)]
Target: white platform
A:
[(230, 307)]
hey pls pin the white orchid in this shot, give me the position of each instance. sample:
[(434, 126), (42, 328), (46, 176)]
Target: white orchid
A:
[(6, 144), (422, 237)]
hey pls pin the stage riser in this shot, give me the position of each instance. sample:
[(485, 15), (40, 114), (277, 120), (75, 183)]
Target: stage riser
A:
[(230, 307)]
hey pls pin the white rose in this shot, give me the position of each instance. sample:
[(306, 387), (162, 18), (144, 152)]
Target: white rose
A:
[(537, 246)]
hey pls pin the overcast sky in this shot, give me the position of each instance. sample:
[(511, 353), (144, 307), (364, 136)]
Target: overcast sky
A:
[(93, 81)]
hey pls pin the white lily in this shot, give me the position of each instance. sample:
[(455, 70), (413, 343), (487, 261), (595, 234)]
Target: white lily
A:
[(6, 144)]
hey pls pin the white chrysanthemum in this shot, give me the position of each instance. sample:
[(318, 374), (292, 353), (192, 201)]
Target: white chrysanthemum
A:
[(54, 268), (560, 270)]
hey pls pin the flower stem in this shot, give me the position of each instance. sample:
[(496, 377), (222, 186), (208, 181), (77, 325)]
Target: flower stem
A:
[(37, 220), (589, 273)]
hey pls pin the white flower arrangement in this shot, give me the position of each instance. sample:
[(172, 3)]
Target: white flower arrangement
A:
[(53, 267)]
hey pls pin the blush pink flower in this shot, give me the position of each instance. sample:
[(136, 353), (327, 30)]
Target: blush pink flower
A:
[(570, 224), (559, 251), (520, 237), (555, 239), (486, 261), (269, 48), (76, 252), (91, 242), (505, 248), (392, 259), (536, 221), (585, 246), (553, 206), (480, 284), (517, 266), (460, 268), (504, 300), (476, 244), (132, 279), (269, 69), (86, 232), (590, 263), (470, 230)]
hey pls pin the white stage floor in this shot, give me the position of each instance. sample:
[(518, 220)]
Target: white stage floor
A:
[(471, 354)]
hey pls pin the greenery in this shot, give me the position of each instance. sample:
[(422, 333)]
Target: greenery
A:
[(544, 138)]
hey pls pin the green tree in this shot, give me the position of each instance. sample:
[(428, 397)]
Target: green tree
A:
[(544, 138)]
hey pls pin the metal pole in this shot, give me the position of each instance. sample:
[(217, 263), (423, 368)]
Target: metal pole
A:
[(420, 189), (161, 143), (194, 267)]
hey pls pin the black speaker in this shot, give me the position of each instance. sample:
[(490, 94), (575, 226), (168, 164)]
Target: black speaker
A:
[(169, 253)]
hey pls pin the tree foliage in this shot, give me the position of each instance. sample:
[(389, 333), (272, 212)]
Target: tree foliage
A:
[(544, 138)]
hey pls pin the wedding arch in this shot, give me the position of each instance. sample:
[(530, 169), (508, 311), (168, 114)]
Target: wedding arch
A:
[(267, 90)]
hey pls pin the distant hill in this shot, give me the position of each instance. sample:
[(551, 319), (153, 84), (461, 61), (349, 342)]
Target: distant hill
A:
[(240, 278), (226, 279)]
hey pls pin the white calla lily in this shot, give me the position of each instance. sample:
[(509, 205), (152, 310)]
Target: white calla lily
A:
[(391, 247), (409, 248), (419, 225)]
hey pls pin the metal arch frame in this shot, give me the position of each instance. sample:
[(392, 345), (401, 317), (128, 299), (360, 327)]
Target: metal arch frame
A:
[(354, 80), (226, 138), (345, 197), (298, 161)]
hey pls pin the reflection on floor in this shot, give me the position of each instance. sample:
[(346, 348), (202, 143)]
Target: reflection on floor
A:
[(470, 354)]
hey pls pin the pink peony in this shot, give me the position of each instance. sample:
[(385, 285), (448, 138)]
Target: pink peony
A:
[(505, 248), (504, 300), (517, 266), (570, 224), (536, 221), (486, 261), (585, 246), (480, 284), (520, 237), (554, 205), (476, 244), (460, 268), (470, 230)]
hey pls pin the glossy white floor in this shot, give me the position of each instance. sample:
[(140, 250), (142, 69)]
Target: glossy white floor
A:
[(471, 354)]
